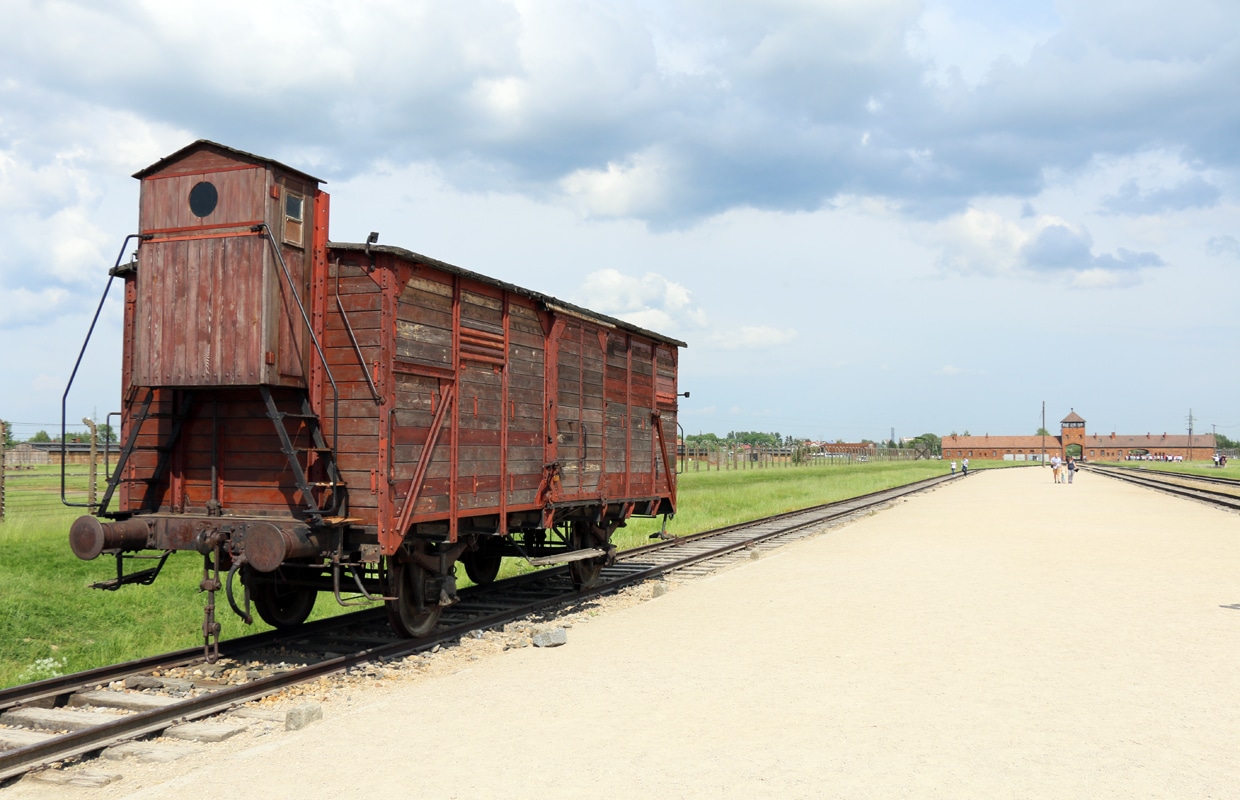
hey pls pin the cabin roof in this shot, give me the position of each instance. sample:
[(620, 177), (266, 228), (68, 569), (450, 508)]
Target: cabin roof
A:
[(545, 299), (207, 144)]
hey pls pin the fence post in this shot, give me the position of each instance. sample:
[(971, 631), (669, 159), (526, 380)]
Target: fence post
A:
[(91, 483), (3, 439)]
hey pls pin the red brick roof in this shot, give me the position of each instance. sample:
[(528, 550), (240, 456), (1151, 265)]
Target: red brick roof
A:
[(1150, 441), (1022, 443)]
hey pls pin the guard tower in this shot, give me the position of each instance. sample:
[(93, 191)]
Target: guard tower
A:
[(1072, 434)]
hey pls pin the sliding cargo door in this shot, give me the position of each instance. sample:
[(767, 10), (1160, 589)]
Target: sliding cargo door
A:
[(580, 431)]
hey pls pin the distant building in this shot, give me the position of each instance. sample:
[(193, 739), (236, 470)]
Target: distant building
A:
[(1074, 441), (34, 453)]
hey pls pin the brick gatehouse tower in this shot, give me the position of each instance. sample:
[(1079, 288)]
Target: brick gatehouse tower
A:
[(1074, 441), (1072, 435)]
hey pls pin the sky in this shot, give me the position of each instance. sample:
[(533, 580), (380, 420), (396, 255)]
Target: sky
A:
[(863, 216)]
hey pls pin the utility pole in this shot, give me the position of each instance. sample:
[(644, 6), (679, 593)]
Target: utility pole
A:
[(1190, 434), (1044, 433)]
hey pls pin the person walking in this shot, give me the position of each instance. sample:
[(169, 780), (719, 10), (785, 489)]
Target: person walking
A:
[(1071, 468), (953, 466), (964, 468)]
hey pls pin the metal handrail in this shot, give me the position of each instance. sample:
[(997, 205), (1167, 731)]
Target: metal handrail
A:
[(374, 390), (263, 227), (64, 398)]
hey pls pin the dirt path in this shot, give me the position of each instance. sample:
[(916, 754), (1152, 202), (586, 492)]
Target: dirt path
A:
[(999, 637)]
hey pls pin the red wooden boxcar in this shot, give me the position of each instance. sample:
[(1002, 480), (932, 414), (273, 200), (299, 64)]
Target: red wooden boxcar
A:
[(357, 418)]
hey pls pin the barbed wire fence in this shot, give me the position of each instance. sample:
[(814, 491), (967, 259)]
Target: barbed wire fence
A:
[(723, 456), (30, 475), (4, 438)]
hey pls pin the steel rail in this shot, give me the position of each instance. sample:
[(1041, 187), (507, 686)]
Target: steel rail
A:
[(1223, 499), (1217, 479), (525, 596)]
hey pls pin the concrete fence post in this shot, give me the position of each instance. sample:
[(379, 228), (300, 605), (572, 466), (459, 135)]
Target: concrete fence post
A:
[(91, 480)]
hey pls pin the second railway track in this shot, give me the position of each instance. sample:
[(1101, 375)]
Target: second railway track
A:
[(1217, 491), (78, 715)]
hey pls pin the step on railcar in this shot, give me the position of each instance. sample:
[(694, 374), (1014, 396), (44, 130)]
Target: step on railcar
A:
[(315, 416)]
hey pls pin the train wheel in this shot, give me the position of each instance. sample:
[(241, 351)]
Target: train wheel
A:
[(480, 568), (584, 573), (407, 581), (282, 606)]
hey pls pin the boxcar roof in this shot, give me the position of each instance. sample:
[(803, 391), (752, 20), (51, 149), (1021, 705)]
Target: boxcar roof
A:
[(207, 144), (548, 300)]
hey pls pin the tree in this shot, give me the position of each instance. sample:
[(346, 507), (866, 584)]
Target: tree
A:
[(932, 442), (106, 434), (41, 436), (755, 438), (1223, 442), (1041, 432), (8, 433)]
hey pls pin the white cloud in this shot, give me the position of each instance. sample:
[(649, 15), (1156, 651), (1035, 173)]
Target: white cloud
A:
[(1097, 278), (748, 163), (639, 188), (752, 337), (1225, 245), (980, 241), (988, 242), (22, 306), (948, 369), (612, 291)]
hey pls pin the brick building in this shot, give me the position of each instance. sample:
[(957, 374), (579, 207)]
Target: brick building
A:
[(1073, 440)]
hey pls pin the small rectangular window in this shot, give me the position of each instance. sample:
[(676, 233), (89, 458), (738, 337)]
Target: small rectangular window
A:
[(294, 213)]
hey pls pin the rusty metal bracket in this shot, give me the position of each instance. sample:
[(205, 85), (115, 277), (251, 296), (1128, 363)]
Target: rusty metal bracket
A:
[(424, 461), (668, 474), (228, 591), (143, 577), (344, 316)]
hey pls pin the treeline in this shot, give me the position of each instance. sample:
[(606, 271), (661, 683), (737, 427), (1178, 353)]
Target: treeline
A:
[(105, 433), (931, 443), (752, 438)]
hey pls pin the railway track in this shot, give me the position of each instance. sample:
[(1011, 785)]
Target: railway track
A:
[(1218, 491), (82, 714)]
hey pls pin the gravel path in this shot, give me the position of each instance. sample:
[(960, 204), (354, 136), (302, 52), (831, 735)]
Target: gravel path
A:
[(1000, 637)]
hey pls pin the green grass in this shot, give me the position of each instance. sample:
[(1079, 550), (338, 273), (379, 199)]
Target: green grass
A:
[(52, 622)]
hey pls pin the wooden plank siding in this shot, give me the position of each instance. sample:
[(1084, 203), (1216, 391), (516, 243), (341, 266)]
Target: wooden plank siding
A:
[(520, 386), (253, 474)]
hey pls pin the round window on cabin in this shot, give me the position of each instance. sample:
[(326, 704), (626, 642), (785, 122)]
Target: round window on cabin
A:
[(203, 198)]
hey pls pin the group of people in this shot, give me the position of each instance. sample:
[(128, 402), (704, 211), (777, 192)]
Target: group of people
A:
[(964, 467), (1220, 460), (1063, 471)]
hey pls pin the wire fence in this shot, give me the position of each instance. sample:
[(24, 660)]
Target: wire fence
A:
[(723, 456), (35, 492), (32, 488)]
